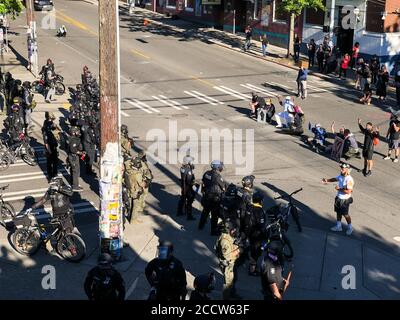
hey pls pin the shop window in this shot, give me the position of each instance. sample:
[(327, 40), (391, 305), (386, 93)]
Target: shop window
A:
[(374, 22)]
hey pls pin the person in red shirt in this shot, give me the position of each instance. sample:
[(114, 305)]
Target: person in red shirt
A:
[(354, 55), (344, 65)]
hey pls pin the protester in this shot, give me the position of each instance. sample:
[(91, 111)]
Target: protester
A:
[(366, 98), (302, 82), (296, 48), (382, 83), (264, 44), (311, 49), (371, 135), (344, 65), (354, 55), (374, 66), (393, 137), (343, 198), (320, 58)]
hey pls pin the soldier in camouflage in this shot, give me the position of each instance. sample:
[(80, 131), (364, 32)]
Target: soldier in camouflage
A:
[(147, 177)]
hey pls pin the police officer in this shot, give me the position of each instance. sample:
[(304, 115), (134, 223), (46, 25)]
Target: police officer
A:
[(213, 187), (50, 132), (244, 195), (147, 177), (27, 104), (166, 275), (126, 142), (255, 231), (135, 184), (16, 124), (203, 284), (273, 284), (59, 193), (228, 252), (104, 282), (89, 145), (74, 153), (187, 192)]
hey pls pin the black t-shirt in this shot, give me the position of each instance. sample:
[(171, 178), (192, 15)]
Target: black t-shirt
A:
[(271, 273), (393, 134)]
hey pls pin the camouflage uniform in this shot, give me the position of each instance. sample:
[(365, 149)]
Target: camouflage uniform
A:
[(126, 146), (147, 177), (135, 184), (230, 253)]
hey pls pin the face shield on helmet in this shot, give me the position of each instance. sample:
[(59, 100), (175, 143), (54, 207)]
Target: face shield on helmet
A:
[(164, 250)]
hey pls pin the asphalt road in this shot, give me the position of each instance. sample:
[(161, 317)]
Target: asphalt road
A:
[(170, 78)]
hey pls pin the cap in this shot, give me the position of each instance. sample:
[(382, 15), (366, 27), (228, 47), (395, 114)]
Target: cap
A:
[(344, 165)]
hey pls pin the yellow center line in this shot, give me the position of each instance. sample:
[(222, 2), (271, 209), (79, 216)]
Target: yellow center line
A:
[(139, 54), (65, 18), (203, 81)]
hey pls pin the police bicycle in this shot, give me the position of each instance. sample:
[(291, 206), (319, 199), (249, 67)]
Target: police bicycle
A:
[(281, 213), (10, 153), (7, 211), (275, 232), (29, 235)]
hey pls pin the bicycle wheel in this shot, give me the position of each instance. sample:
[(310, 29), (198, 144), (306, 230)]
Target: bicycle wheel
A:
[(60, 88), (71, 247), (7, 212), (287, 249), (30, 156), (25, 241), (4, 162)]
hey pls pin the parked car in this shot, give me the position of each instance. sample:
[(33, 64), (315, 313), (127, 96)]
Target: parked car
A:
[(43, 5)]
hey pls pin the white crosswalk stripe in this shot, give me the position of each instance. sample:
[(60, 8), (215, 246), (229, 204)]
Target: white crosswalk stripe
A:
[(28, 176), (310, 87), (289, 89), (124, 114), (174, 102), (145, 105), (236, 92), (228, 92), (210, 98), (200, 98), (257, 89), (166, 102), (137, 106)]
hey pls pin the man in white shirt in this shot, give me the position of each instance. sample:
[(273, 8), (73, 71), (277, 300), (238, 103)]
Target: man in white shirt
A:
[(343, 198)]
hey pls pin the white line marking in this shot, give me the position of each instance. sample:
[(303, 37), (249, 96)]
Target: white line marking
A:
[(14, 193), (137, 106), (397, 239), (257, 89), (207, 97), (279, 85), (313, 88), (230, 93), (199, 97), (174, 102), (34, 176), (131, 288), (237, 92), (145, 105), (21, 197), (125, 114), (166, 102)]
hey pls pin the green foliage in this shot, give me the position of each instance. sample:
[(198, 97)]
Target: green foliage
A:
[(297, 6), (11, 7)]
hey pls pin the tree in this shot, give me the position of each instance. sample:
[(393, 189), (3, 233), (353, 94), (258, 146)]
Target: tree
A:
[(294, 8), (11, 7)]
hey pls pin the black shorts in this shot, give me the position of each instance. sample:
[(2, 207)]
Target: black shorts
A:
[(342, 206), (367, 154)]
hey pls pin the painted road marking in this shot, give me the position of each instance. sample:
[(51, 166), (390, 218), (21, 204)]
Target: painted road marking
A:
[(125, 114), (145, 105), (31, 176), (397, 239), (131, 288), (207, 97), (136, 52), (289, 89), (200, 98), (257, 89), (236, 92), (137, 106), (230, 93), (166, 102), (174, 102)]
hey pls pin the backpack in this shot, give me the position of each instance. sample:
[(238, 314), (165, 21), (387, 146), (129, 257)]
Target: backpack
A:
[(229, 202), (103, 288)]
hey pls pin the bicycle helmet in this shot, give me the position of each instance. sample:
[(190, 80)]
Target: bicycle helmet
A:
[(248, 181), (258, 197), (217, 165), (205, 282), (124, 130), (137, 162), (164, 249), (15, 108), (187, 160), (105, 259)]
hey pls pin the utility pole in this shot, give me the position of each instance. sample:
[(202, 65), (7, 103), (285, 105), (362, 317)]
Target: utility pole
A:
[(110, 222), (31, 38)]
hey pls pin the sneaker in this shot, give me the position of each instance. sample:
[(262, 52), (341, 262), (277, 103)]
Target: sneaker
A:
[(336, 228), (368, 173), (279, 127), (396, 160), (349, 231), (386, 158)]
